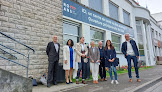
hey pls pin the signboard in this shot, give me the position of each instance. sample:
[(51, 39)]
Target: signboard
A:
[(81, 13)]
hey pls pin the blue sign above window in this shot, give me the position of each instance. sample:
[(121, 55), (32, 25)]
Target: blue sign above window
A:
[(81, 13)]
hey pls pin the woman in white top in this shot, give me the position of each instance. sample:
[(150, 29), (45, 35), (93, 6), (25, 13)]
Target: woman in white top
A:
[(68, 64)]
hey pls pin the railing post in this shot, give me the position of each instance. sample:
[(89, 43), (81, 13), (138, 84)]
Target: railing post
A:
[(27, 65)]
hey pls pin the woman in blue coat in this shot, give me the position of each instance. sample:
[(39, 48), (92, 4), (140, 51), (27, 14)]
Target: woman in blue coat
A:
[(110, 56)]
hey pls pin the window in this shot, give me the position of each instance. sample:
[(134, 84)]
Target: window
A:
[(70, 31), (116, 41), (159, 36), (97, 35), (113, 10), (156, 33), (126, 17), (152, 33), (77, 1), (96, 5), (140, 38)]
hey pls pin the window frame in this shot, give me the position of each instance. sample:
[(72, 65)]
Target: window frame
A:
[(114, 34), (95, 9), (68, 34), (129, 17), (152, 33), (97, 30), (115, 6), (141, 34)]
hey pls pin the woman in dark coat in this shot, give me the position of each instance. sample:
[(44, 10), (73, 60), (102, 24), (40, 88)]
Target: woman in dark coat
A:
[(110, 56)]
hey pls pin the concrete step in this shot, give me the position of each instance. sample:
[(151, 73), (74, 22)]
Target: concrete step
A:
[(10, 82)]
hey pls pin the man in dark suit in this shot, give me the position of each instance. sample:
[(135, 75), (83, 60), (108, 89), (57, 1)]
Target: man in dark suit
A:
[(102, 69), (52, 51), (130, 50)]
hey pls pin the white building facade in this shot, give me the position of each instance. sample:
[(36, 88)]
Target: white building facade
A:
[(101, 20)]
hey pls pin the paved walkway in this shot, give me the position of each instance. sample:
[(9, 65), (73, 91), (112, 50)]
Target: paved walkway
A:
[(156, 88), (123, 86)]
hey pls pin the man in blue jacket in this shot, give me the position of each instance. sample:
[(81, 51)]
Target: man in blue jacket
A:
[(130, 50)]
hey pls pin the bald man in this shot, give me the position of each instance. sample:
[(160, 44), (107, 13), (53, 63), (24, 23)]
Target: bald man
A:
[(130, 50), (52, 51), (102, 69)]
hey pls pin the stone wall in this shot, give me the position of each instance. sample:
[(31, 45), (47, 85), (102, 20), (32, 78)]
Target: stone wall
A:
[(33, 22)]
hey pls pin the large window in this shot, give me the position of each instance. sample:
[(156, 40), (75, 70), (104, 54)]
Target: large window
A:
[(70, 32), (140, 38), (96, 5), (116, 41), (126, 17), (113, 9), (97, 35)]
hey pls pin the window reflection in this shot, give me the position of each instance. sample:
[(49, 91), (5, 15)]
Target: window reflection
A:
[(70, 32), (116, 41), (97, 36)]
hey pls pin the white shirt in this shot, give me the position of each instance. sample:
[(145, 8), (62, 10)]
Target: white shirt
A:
[(93, 49), (130, 49), (82, 47), (56, 46)]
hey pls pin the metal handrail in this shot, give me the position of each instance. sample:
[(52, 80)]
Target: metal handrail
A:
[(8, 53), (17, 41), (13, 61), (29, 48), (14, 50)]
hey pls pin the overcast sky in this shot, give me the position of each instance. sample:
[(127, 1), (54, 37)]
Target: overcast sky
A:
[(155, 6)]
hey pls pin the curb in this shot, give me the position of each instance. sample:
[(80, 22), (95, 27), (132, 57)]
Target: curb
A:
[(147, 84), (63, 90)]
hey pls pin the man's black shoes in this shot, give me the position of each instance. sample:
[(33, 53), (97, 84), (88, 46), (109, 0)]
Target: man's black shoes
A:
[(48, 85), (55, 83)]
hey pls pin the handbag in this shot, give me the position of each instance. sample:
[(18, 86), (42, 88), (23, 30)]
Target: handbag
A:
[(34, 81), (139, 63), (117, 60)]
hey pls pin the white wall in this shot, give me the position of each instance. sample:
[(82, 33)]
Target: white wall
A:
[(85, 2), (106, 7)]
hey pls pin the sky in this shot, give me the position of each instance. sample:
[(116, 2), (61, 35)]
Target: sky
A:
[(155, 6)]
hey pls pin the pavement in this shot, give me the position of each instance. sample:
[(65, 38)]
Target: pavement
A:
[(155, 88), (147, 76)]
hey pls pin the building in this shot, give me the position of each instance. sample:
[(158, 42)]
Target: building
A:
[(34, 22), (111, 19), (156, 33)]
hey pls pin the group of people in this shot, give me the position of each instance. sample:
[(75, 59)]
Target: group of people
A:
[(99, 57)]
